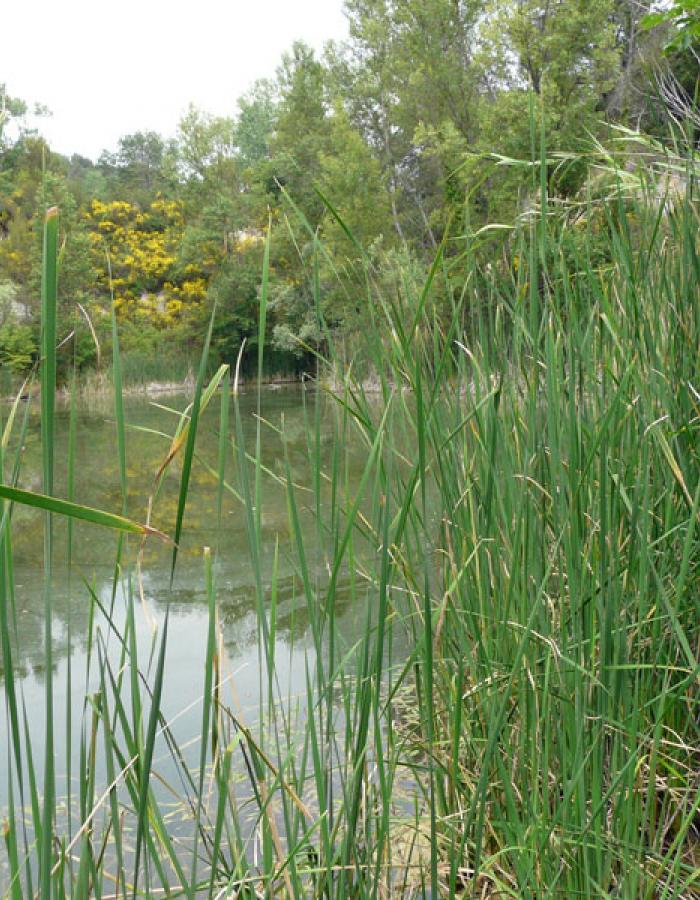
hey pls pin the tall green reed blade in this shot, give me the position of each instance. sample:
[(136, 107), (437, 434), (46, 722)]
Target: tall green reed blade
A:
[(422, 425), (70, 491), (267, 647), (119, 404), (18, 754), (262, 330), (49, 292), (208, 711), (120, 424), (8, 623), (55, 506), (223, 449), (145, 807), (14, 749), (115, 822), (189, 447), (70, 481), (10, 834)]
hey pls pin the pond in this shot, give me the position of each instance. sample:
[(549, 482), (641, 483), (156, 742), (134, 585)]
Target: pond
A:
[(290, 416)]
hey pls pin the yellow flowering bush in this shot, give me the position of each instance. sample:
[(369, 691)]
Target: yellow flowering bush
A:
[(142, 250)]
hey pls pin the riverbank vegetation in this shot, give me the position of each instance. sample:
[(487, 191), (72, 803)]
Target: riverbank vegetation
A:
[(518, 715), (402, 129)]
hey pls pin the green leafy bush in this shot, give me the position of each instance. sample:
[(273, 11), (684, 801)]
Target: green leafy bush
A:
[(18, 347)]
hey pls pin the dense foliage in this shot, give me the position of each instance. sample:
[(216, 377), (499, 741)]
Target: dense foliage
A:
[(502, 492), (473, 587), (395, 134)]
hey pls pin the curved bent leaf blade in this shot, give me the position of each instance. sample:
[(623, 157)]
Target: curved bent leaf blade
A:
[(75, 511)]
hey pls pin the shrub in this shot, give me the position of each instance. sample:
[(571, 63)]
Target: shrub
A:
[(18, 348)]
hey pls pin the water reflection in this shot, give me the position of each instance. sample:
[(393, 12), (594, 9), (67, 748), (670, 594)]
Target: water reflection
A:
[(94, 554)]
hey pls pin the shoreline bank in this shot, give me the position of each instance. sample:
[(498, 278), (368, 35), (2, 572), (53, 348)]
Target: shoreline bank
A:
[(103, 388)]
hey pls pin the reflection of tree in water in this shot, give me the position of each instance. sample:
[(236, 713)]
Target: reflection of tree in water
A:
[(237, 605), (71, 611), (93, 550), (236, 602)]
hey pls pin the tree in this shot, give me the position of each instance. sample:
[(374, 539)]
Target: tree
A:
[(628, 98), (551, 60), (566, 50), (142, 166), (255, 123), (205, 146), (11, 109), (678, 81), (13, 115), (24, 167), (410, 68), (684, 17), (351, 179), (302, 131)]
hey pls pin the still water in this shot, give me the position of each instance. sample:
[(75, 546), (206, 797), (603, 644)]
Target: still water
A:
[(288, 411)]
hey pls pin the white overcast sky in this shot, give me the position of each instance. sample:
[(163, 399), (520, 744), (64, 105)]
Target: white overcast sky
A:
[(108, 69)]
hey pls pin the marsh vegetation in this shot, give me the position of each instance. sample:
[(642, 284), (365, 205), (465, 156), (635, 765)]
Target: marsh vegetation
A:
[(474, 595), (425, 624)]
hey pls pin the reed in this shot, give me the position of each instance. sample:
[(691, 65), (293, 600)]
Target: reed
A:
[(518, 716)]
